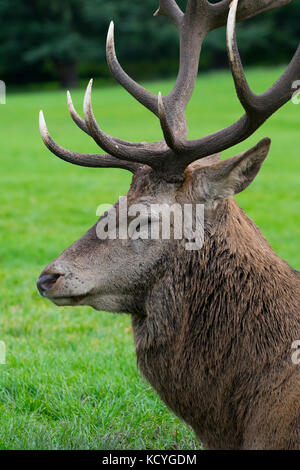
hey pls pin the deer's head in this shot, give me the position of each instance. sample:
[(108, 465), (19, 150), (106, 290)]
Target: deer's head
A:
[(114, 274)]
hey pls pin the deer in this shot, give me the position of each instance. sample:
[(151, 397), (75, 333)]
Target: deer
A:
[(213, 327)]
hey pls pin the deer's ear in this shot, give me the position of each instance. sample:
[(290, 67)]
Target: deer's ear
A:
[(210, 160), (233, 175)]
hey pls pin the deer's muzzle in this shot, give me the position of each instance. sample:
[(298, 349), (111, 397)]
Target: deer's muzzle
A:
[(46, 282)]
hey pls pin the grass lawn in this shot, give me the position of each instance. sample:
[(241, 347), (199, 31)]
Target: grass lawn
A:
[(70, 381)]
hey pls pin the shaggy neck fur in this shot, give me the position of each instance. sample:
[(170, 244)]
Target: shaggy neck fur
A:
[(218, 330)]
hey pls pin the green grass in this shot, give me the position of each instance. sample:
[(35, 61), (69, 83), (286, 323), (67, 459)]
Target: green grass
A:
[(70, 381)]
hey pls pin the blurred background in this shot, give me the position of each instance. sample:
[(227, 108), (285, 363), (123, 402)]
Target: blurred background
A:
[(70, 380), (59, 42)]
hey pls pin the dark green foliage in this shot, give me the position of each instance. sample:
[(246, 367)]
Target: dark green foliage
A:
[(57, 39)]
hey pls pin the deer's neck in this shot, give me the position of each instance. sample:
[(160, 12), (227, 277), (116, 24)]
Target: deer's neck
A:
[(218, 312), (234, 278)]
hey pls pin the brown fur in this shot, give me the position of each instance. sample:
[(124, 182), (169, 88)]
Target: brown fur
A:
[(218, 349)]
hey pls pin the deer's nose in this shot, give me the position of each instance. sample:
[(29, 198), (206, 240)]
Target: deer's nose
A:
[(46, 282)]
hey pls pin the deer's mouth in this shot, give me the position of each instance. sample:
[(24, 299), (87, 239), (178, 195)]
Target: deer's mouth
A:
[(68, 300)]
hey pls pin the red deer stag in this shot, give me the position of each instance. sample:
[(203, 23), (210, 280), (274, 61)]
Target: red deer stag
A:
[(213, 327)]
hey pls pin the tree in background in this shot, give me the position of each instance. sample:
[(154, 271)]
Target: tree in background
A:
[(60, 39), (40, 36), (46, 39)]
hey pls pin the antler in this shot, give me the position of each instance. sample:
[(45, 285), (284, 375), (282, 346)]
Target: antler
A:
[(258, 107), (172, 155)]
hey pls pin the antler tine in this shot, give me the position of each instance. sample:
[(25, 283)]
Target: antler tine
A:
[(82, 125), (244, 92), (145, 97), (75, 116), (82, 159), (151, 157), (166, 126), (268, 102), (193, 30), (171, 9)]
